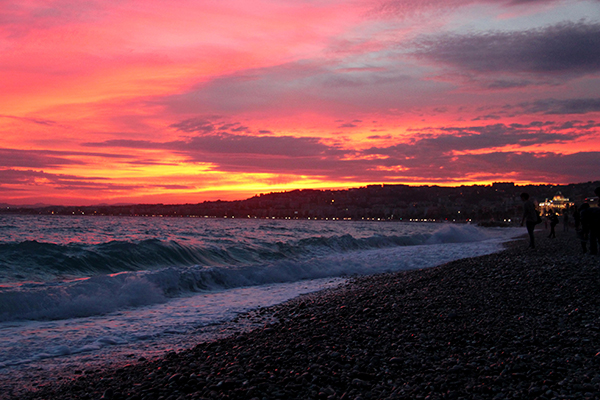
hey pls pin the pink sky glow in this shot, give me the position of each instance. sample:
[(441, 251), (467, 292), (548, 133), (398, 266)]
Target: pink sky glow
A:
[(181, 102)]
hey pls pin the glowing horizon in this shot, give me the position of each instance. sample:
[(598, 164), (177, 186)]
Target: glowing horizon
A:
[(146, 102)]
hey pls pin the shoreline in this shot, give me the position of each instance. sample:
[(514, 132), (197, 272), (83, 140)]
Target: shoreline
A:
[(512, 323)]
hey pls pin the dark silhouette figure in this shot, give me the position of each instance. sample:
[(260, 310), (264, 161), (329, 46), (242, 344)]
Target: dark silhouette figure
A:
[(590, 225), (553, 222), (566, 219), (594, 230), (530, 218)]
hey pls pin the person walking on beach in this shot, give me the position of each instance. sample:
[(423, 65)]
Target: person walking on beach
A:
[(590, 225), (530, 217)]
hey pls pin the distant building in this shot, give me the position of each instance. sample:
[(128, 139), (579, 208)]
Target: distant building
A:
[(558, 204)]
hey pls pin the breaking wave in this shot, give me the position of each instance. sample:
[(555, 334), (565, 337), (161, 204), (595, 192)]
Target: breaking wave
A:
[(111, 276)]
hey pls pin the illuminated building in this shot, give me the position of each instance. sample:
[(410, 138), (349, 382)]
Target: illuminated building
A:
[(558, 204)]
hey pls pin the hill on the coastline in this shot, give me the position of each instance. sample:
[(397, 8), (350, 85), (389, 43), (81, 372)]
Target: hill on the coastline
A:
[(497, 202)]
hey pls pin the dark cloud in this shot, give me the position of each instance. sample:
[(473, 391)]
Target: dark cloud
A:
[(487, 117), (437, 167), (379, 137), (476, 138), (510, 83), (207, 125), (287, 146), (230, 144), (442, 155), (352, 124), (567, 49), (270, 154), (11, 176), (542, 167), (150, 162), (10, 158), (410, 8), (326, 167), (34, 159), (227, 127), (211, 142), (196, 125), (242, 153), (435, 154), (127, 143), (536, 124), (568, 106), (26, 180)]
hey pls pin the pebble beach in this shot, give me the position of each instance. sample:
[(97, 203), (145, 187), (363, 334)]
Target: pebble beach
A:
[(518, 324)]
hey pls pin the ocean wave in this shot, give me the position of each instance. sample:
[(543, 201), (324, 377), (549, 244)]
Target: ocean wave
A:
[(458, 234), (214, 270), (106, 293), (32, 260), (81, 298)]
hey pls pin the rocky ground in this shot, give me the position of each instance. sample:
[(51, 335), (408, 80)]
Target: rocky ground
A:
[(518, 324)]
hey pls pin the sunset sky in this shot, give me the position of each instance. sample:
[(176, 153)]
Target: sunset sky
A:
[(180, 102)]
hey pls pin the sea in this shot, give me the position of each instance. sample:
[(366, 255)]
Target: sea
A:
[(78, 292)]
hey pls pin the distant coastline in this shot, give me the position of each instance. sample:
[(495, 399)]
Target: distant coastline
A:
[(497, 203)]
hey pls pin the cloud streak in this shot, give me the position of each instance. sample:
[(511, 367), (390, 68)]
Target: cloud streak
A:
[(565, 50), (567, 106), (448, 149), (47, 158)]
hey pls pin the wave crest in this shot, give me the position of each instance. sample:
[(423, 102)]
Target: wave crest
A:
[(125, 275)]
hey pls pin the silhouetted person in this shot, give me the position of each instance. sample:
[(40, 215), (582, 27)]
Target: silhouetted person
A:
[(553, 223), (590, 225), (530, 218)]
